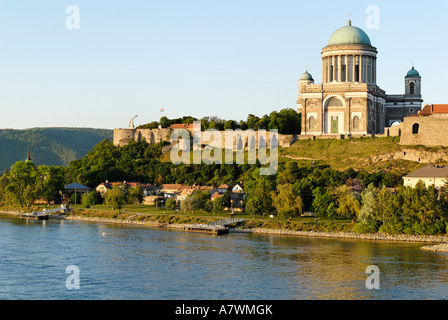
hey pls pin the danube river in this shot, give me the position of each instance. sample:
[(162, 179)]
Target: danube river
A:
[(59, 259)]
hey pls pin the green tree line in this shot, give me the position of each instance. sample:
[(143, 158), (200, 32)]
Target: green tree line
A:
[(365, 198), (286, 121)]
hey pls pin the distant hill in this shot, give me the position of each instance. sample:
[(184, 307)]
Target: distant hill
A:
[(48, 146)]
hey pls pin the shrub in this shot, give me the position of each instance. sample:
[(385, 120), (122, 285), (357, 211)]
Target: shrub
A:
[(171, 204), (115, 198), (365, 228), (89, 199), (391, 228)]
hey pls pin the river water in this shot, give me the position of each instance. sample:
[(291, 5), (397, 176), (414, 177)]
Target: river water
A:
[(114, 261)]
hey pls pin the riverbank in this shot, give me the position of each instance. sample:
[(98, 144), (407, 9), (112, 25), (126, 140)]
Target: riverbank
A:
[(439, 242)]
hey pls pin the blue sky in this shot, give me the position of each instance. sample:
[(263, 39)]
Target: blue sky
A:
[(199, 58)]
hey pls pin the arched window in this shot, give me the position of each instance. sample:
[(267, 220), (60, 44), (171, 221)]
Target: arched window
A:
[(412, 88), (415, 128), (356, 123), (311, 122), (334, 102)]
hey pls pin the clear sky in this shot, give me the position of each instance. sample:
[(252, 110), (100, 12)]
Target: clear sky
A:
[(199, 58)]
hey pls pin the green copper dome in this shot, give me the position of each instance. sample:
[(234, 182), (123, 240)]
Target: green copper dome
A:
[(413, 74), (306, 77), (349, 35)]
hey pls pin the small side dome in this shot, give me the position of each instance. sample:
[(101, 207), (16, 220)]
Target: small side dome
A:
[(413, 74), (306, 77)]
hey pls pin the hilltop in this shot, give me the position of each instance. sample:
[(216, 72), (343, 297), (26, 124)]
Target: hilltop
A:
[(49, 146)]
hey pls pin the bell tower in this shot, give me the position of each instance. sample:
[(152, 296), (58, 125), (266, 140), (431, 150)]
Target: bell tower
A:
[(413, 83)]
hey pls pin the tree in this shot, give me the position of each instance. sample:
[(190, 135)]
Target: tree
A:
[(188, 204), (230, 124), (219, 204), (348, 205), (331, 211), (322, 199), (115, 198), (254, 206), (368, 212), (286, 202), (134, 195), (49, 179), (201, 198), (171, 204), (208, 205), (89, 199), (22, 183)]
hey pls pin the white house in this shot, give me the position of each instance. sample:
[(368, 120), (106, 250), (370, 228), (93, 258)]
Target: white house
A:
[(431, 175)]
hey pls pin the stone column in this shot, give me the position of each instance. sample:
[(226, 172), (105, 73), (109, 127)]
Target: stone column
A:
[(347, 68), (304, 115), (373, 69), (340, 68), (361, 71), (324, 60), (369, 69), (353, 68), (333, 64), (367, 73)]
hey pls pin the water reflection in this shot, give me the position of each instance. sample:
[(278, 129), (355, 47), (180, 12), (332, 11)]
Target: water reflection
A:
[(123, 262)]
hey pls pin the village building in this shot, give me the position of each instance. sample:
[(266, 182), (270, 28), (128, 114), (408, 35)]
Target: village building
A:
[(225, 188), (149, 192), (238, 188), (171, 188), (431, 175), (103, 187)]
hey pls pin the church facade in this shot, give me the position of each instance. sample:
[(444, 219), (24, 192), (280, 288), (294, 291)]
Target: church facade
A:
[(349, 101)]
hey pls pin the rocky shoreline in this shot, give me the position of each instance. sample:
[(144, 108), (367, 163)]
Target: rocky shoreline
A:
[(440, 243), (353, 235)]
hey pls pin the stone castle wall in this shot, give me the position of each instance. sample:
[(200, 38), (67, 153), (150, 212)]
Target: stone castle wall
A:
[(431, 131), (123, 136)]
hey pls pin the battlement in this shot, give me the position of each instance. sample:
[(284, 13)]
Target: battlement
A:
[(123, 136)]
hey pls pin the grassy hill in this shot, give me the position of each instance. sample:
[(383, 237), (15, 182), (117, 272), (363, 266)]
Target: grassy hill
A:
[(363, 153), (48, 146), (360, 153)]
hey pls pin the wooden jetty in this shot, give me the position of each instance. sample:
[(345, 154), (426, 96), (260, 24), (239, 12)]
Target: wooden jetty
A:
[(216, 227), (203, 228), (57, 213), (34, 216)]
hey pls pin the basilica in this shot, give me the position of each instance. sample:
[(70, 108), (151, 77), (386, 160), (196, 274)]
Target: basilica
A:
[(349, 101)]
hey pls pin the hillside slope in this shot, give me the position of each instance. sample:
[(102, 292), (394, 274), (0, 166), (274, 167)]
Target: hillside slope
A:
[(48, 146), (371, 154)]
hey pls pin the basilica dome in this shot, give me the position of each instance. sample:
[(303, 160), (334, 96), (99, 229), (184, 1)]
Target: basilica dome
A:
[(349, 35)]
